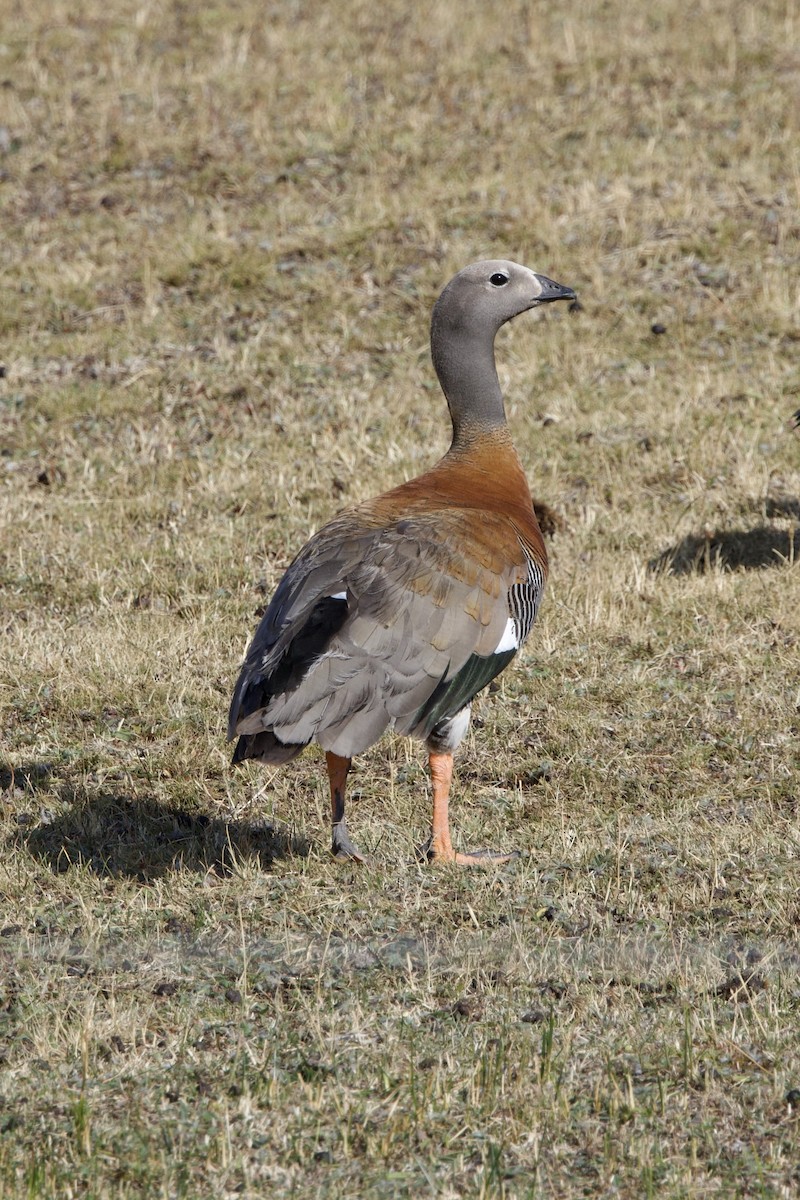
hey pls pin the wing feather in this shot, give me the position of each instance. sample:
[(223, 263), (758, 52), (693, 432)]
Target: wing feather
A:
[(428, 600)]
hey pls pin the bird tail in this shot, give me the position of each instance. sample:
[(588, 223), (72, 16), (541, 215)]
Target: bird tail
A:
[(267, 748)]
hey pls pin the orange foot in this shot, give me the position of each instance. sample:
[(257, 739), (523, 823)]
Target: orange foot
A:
[(438, 847), (434, 852)]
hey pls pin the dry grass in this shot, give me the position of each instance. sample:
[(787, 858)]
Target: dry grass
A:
[(224, 226)]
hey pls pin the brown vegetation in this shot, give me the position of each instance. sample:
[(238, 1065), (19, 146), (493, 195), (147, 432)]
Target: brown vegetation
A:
[(224, 226)]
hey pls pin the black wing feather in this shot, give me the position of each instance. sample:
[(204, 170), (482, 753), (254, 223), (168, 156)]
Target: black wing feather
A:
[(451, 695), (255, 688)]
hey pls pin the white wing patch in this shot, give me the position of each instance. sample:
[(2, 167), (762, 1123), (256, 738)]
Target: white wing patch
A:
[(447, 736), (338, 596), (510, 638)]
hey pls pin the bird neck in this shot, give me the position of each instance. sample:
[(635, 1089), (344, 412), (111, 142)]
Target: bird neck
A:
[(464, 363)]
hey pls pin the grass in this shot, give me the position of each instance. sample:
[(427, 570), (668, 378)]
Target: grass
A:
[(224, 228)]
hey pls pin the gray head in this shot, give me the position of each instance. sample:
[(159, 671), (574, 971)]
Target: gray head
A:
[(466, 317), (486, 294)]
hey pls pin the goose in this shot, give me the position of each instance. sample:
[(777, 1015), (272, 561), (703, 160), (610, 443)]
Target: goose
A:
[(402, 608)]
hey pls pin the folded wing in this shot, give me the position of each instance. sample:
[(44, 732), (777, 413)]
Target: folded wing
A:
[(397, 626)]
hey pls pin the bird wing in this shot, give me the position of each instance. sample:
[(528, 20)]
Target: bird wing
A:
[(388, 625)]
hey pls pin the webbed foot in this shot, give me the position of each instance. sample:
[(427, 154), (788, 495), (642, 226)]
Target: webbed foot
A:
[(433, 851), (343, 848)]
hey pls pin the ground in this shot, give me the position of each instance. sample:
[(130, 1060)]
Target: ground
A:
[(224, 227)]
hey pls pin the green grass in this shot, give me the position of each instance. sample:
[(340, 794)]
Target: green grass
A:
[(224, 228)]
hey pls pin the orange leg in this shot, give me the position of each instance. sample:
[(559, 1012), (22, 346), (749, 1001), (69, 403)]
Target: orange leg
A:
[(342, 847), (440, 848)]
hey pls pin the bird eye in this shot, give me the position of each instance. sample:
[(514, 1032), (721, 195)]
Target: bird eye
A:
[(498, 279)]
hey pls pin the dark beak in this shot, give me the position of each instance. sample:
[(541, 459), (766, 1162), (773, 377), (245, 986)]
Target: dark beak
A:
[(553, 291)]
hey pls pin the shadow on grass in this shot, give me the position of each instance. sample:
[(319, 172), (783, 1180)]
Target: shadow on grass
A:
[(28, 776), (782, 506), (119, 836), (730, 550)]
